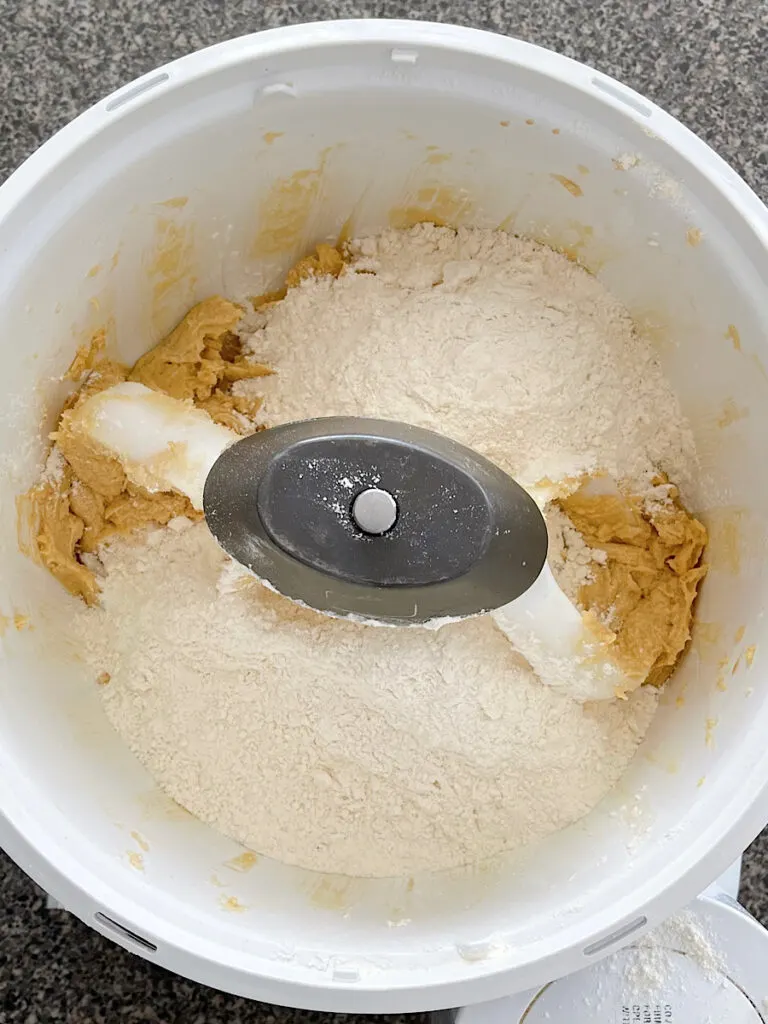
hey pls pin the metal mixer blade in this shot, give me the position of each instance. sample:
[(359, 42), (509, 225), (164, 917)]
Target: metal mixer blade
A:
[(375, 519)]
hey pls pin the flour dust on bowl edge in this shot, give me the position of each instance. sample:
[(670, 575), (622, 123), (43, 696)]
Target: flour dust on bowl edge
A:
[(159, 196)]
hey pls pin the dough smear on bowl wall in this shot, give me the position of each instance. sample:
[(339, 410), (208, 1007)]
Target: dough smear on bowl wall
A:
[(335, 745)]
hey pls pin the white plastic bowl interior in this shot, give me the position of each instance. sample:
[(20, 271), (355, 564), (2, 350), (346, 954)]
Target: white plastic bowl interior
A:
[(175, 187)]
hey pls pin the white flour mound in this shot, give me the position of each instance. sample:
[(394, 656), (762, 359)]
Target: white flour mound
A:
[(347, 748), (495, 341), (336, 746)]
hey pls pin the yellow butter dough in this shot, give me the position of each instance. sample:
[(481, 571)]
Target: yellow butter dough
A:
[(49, 532), (90, 501), (192, 361), (88, 460), (87, 356), (646, 587), (326, 261)]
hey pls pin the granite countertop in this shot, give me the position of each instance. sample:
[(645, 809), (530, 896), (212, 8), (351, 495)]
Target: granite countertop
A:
[(700, 59)]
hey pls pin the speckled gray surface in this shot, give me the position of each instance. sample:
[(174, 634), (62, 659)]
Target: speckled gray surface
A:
[(700, 59)]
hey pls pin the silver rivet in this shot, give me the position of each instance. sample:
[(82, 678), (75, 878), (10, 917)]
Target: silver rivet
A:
[(374, 510)]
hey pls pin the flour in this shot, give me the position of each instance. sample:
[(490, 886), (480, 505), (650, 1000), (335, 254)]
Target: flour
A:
[(498, 342), (333, 745), (346, 748), (572, 561), (650, 963), (54, 466)]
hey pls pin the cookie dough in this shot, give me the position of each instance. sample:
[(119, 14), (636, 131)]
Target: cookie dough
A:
[(50, 532), (87, 356), (645, 589), (200, 357), (326, 261), (89, 500)]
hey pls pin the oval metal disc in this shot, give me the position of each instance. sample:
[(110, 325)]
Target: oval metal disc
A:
[(375, 519)]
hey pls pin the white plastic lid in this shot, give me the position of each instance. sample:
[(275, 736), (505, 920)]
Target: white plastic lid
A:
[(668, 981), (615, 992)]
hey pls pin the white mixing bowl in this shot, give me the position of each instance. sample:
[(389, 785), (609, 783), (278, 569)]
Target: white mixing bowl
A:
[(179, 185)]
